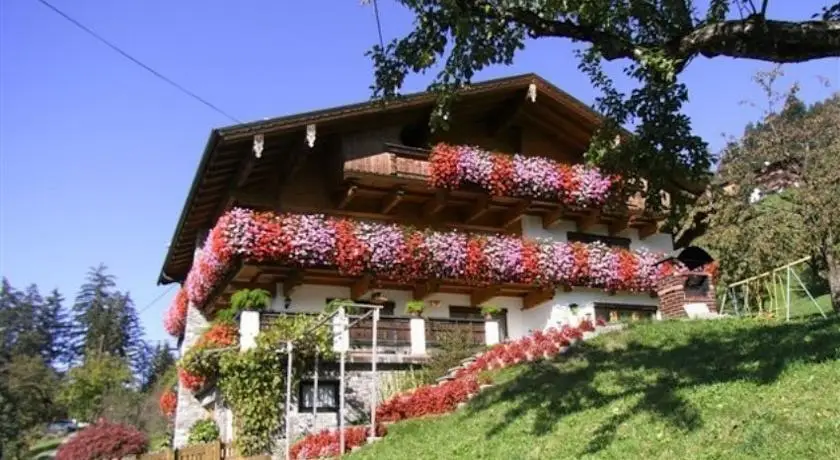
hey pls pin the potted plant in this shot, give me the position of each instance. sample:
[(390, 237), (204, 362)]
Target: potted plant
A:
[(489, 311), (414, 307)]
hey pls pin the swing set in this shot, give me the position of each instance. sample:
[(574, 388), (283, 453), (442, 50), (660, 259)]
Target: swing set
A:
[(767, 294)]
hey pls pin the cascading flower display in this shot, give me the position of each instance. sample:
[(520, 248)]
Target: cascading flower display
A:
[(394, 252), (168, 403), (176, 316), (453, 167)]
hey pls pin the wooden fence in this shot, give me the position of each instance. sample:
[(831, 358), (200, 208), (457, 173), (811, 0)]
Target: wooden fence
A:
[(209, 451)]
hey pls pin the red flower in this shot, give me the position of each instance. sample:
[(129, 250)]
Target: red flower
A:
[(475, 267), (351, 254), (168, 403), (443, 167), (190, 381), (176, 316), (104, 440), (500, 178)]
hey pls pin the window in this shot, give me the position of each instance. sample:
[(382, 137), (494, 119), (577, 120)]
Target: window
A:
[(613, 312), (327, 396), (611, 241), (465, 312), (696, 285)]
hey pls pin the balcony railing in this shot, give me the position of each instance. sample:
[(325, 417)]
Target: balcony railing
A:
[(395, 331)]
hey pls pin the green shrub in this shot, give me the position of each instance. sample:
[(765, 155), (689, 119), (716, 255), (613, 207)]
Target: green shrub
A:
[(452, 348), (203, 431)]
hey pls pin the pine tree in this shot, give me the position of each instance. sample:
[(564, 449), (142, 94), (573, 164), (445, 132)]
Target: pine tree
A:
[(162, 360), (52, 319), (90, 313)]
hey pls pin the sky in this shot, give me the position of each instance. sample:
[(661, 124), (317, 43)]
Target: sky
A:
[(97, 155)]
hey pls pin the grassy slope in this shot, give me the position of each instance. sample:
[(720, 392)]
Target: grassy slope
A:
[(725, 389)]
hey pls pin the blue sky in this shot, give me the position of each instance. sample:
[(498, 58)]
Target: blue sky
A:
[(97, 155)]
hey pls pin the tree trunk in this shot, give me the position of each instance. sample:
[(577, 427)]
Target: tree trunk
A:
[(833, 261)]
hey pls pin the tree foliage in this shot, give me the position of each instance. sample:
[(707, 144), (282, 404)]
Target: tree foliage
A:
[(777, 193), (654, 39), (87, 387)]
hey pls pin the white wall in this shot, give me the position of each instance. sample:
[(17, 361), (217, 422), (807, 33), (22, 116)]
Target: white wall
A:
[(556, 312)]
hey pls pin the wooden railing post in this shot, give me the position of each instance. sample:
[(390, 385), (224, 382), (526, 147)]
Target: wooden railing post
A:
[(418, 336), (491, 332), (249, 327)]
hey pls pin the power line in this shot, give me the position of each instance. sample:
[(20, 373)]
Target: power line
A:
[(149, 305), (378, 23), (137, 61)]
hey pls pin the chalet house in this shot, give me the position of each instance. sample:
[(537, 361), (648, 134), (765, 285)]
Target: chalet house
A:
[(365, 203)]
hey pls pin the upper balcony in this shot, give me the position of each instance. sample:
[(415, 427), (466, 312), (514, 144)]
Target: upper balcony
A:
[(469, 188)]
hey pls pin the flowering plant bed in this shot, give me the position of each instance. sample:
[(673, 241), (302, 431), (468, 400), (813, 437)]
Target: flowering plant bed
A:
[(445, 397), (200, 362), (327, 443), (168, 403), (395, 252), (453, 167)]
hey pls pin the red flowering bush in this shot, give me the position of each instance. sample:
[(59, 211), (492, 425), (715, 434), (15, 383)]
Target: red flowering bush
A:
[(176, 316), (168, 403), (327, 443), (198, 363), (393, 252), (103, 441), (443, 398)]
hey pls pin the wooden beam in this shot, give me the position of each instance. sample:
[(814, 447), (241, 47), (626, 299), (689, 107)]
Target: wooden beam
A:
[(292, 281), (619, 225), (435, 204), (392, 200), (361, 287), (425, 289), (647, 230), (587, 221), (254, 200), (537, 298), (481, 295), (347, 197), (516, 213), (552, 218), (479, 209)]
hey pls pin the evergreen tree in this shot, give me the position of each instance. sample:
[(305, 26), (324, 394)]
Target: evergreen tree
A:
[(90, 313), (52, 319), (162, 360)]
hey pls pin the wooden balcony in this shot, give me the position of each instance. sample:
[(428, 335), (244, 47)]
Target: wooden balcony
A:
[(393, 185)]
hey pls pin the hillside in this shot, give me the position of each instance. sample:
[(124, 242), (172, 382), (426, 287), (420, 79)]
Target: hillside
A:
[(714, 389)]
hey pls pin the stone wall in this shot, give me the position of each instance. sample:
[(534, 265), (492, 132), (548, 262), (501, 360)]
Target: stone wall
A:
[(189, 409), (358, 398)]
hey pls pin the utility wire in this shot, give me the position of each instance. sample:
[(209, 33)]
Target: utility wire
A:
[(378, 23), (149, 305), (137, 61)]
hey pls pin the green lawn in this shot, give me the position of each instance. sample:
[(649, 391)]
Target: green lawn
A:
[(724, 389)]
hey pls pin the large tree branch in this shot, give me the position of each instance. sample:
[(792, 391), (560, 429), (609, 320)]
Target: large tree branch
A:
[(751, 38), (765, 40)]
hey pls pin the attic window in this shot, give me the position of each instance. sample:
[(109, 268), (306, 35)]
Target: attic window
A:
[(611, 241)]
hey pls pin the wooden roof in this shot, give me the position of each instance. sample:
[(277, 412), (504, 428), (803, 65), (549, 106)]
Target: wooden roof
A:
[(223, 166)]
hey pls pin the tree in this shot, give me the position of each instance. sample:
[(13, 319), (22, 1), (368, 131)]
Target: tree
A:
[(52, 319), (91, 325), (655, 39), (106, 321), (27, 399), (162, 361), (89, 386), (752, 233)]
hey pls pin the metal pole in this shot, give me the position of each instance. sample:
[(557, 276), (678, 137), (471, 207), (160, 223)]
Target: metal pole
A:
[(809, 295), (787, 296), (341, 404), (289, 350), (315, 389), (373, 394)]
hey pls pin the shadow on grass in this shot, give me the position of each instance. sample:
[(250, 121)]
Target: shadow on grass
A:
[(653, 367)]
